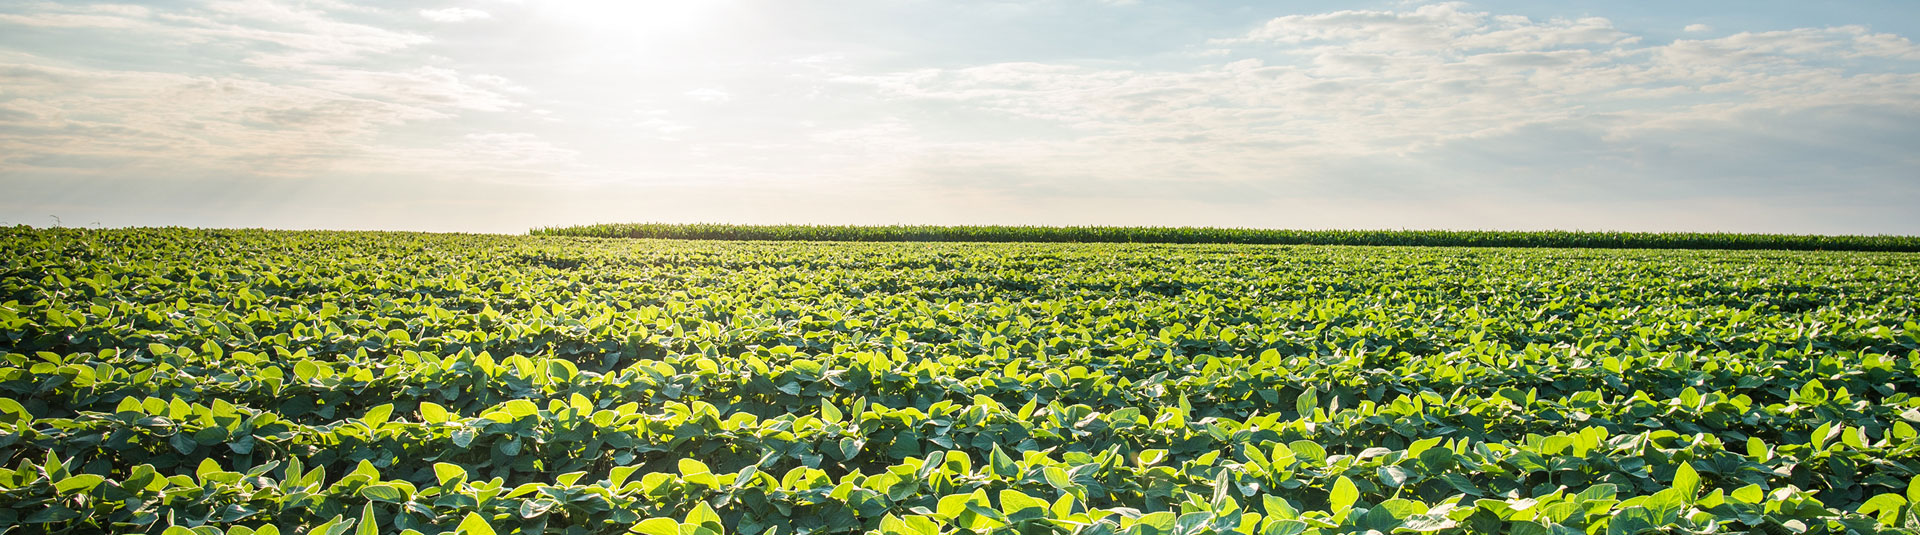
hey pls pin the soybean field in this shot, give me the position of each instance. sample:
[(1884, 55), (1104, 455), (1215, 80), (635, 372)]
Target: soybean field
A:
[(178, 382)]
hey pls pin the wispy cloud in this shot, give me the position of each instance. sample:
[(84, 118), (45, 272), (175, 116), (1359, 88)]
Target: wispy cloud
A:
[(310, 93), (1310, 92), (454, 14)]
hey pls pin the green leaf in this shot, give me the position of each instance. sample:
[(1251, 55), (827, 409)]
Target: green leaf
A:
[(1296, 527), (1013, 501), (19, 412), (617, 477), (433, 413), (1886, 507), (183, 443), (305, 370), (449, 474), (922, 525), (1424, 523), (828, 412), (1057, 478), (474, 524), (384, 493), (377, 416), (1603, 491), (81, 483), (1000, 464), (893, 525), (1418, 446), (1687, 482), (1394, 476), (1221, 481), (1632, 521), (1152, 457), (1308, 449), (1528, 527), (1343, 496), (951, 505), (368, 525), (1161, 522), (464, 436), (702, 515), (520, 408)]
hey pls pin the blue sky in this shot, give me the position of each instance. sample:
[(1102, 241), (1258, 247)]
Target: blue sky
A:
[(501, 115)]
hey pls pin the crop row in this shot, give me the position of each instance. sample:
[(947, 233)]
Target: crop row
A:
[(1091, 234)]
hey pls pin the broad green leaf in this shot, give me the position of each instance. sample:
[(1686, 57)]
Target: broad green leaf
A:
[(449, 474), (829, 413), (951, 505), (1687, 482), (702, 515), (474, 524), (1886, 507), (433, 413), (893, 525), (377, 416), (1013, 501), (520, 408), (1161, 522), (368, 525), (849, 447), (1395, 476), (1296, 527), (1057, 478), (81, 483), (1000, 464), (1343, 495), (1310, 450), (1152, 457), (383, 493)]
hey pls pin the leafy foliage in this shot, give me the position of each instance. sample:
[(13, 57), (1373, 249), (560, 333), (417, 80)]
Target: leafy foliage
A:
[(182, 381), (1465, 238)]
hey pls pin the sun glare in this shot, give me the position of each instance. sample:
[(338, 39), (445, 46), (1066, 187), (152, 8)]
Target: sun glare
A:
[(637, 20)]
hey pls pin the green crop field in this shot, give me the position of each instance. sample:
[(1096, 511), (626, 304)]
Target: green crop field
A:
[(185, 381), (1448, 238)]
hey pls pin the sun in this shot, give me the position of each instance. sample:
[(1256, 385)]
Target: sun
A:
[(637, 20)]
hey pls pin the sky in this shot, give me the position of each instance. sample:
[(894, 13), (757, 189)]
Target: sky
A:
[(505, 115)]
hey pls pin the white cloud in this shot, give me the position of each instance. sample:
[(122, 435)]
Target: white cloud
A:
[(1333, 89), (158, 120), (304, 92), (454, 14), (709, 95), (428, 87), (1697, 28)]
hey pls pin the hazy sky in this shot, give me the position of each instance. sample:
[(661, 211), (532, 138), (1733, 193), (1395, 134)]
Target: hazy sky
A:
[(500, 115)]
